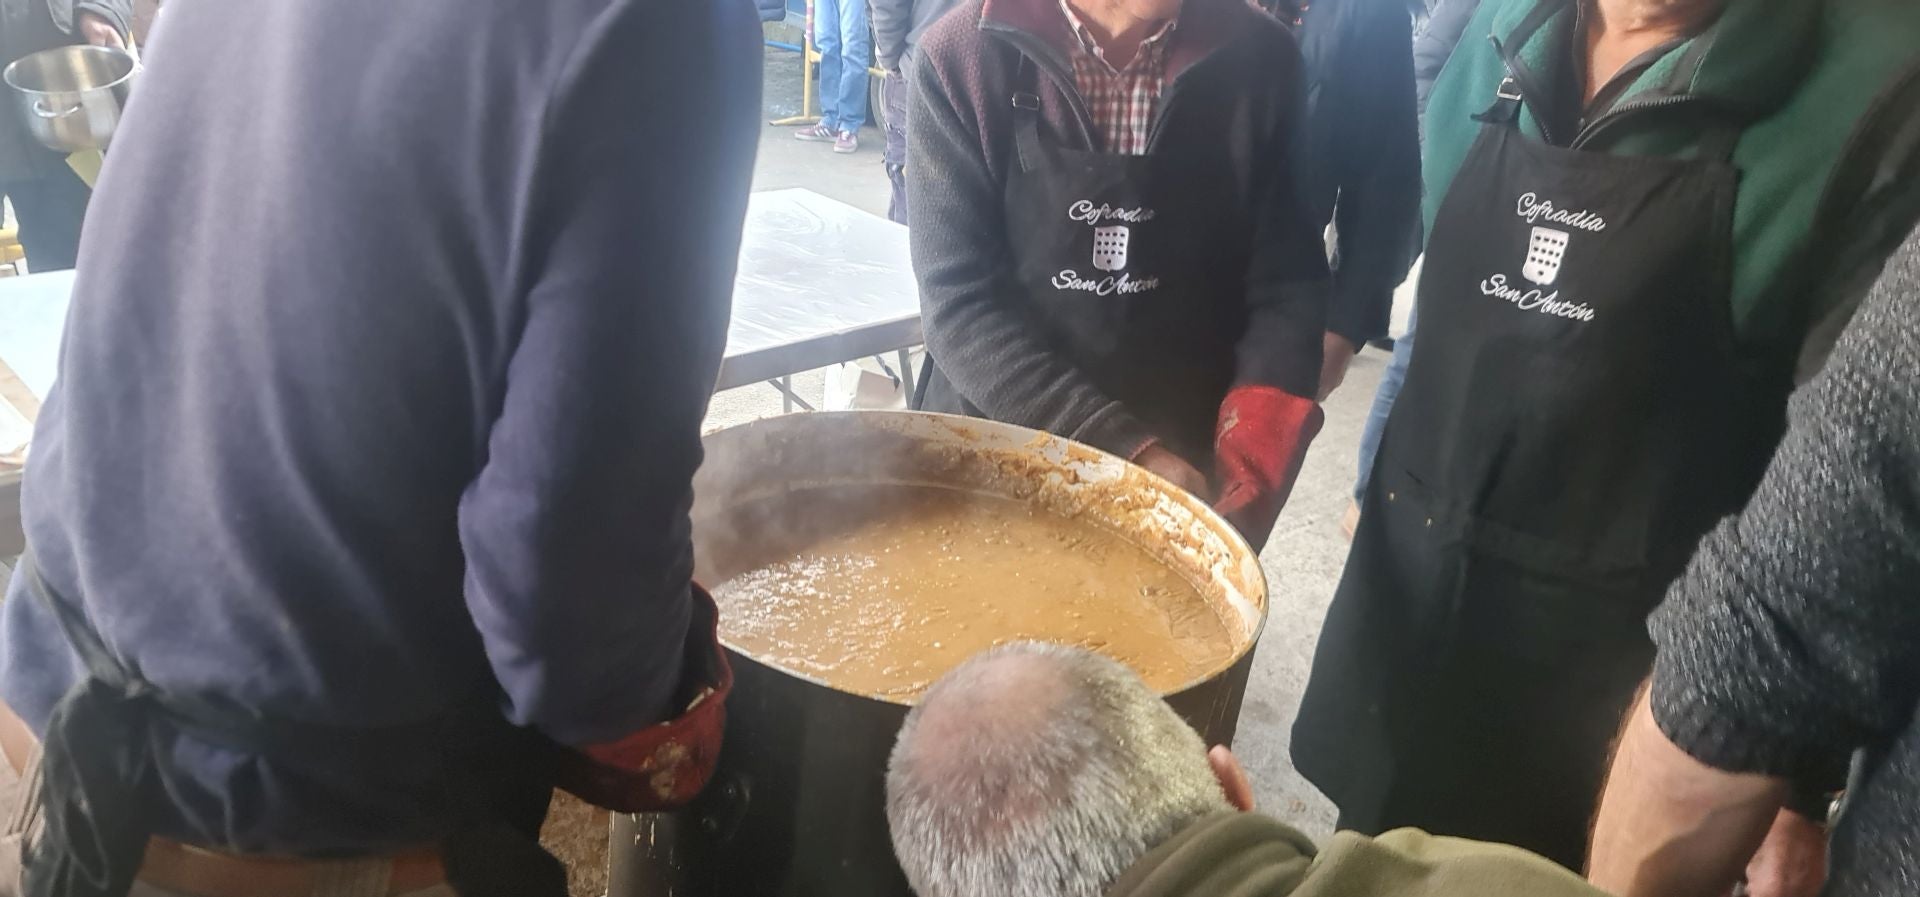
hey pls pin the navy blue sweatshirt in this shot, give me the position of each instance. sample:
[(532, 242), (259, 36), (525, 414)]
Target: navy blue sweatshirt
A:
[(394, 326), (1360, 164)]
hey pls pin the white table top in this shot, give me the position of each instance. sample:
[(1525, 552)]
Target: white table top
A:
[(820, 282), (33, 313)]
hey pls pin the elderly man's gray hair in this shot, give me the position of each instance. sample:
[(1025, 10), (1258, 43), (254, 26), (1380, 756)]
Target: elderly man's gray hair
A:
[(1041, 771)]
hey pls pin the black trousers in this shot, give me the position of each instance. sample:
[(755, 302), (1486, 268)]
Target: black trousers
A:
[(49, 208)]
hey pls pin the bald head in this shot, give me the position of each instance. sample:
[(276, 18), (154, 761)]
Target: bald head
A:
[(1042, 771)]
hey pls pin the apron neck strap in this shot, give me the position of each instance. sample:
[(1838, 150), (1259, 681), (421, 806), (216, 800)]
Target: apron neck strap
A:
[(1506, 105), (1026, 106), (1026, 86), (93, 652)]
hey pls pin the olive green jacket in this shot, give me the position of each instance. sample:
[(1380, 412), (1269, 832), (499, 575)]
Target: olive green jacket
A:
[(1249, 855), (1827, 94)]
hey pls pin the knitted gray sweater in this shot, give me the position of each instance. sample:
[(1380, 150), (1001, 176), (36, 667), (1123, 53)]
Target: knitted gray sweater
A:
[(1794, 638)]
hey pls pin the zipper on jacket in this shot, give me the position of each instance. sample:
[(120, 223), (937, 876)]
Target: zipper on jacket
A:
[(1529, 89), (1592, 130), (1164, 103)]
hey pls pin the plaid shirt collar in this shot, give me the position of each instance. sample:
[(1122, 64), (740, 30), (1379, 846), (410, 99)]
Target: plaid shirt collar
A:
[(1121, 100), (1153, 50)]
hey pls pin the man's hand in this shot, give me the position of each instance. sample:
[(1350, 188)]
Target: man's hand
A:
[(1336, 356), (1173, 469), (96, 30), (1792, 862)]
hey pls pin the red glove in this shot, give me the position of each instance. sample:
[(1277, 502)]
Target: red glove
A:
[(1262, 441), (663, 766)]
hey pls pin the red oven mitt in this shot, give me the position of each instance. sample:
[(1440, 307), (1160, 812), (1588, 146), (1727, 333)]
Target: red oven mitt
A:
[(1258, 449), (663, 766)]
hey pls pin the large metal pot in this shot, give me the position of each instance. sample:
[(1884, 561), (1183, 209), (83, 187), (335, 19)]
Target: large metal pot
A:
[(71, 97), (796, 807)]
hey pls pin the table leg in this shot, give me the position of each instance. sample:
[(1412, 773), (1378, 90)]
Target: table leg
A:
[(907, 381), (789, 398)]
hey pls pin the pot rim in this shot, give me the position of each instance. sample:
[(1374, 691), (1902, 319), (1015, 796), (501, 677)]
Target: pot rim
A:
[(133, 68), (1008, 436)]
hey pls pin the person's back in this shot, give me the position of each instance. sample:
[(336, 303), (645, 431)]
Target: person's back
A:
[(381, 385)]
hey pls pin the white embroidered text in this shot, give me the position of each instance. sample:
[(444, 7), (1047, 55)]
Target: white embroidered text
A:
[(1086, 212), (1117, 285), (1535, 300), (1535, 210)]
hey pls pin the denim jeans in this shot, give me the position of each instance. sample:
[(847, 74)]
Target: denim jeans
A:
[(846, 49), (1390, 382)]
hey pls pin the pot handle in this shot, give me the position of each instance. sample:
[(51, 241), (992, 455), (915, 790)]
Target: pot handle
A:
[(40, 109)]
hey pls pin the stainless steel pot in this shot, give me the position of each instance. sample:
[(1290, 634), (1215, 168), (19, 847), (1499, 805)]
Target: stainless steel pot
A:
[(71, 97), (797, 805)]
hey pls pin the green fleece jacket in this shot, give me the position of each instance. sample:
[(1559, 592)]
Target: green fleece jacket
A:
[(1827, 93), (1249, 855)]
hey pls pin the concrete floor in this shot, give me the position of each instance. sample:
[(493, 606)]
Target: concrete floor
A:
[(1304, 558)]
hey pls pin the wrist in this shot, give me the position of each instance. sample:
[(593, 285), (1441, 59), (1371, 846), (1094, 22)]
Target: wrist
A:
[(1337, 341), (1360, 311), (666, 764), (1813, 804)]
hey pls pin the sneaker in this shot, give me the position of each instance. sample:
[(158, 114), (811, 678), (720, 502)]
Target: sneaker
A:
[(819, 133), (847, 142)]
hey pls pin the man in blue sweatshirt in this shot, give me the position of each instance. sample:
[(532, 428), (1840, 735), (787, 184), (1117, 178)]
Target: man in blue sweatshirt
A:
[(357, 520)]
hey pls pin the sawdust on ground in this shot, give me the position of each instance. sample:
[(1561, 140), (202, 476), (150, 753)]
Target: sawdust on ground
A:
[(577, 834)]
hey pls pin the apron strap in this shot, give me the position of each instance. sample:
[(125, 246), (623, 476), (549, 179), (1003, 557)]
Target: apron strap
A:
[(97, 774), (1508, 96), (1506, 105), (1026, 105), (94, 770), (94, 654)]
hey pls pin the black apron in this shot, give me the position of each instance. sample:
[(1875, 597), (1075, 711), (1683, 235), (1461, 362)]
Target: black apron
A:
[(1574, 418), (1135, 269), (99, 783)]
